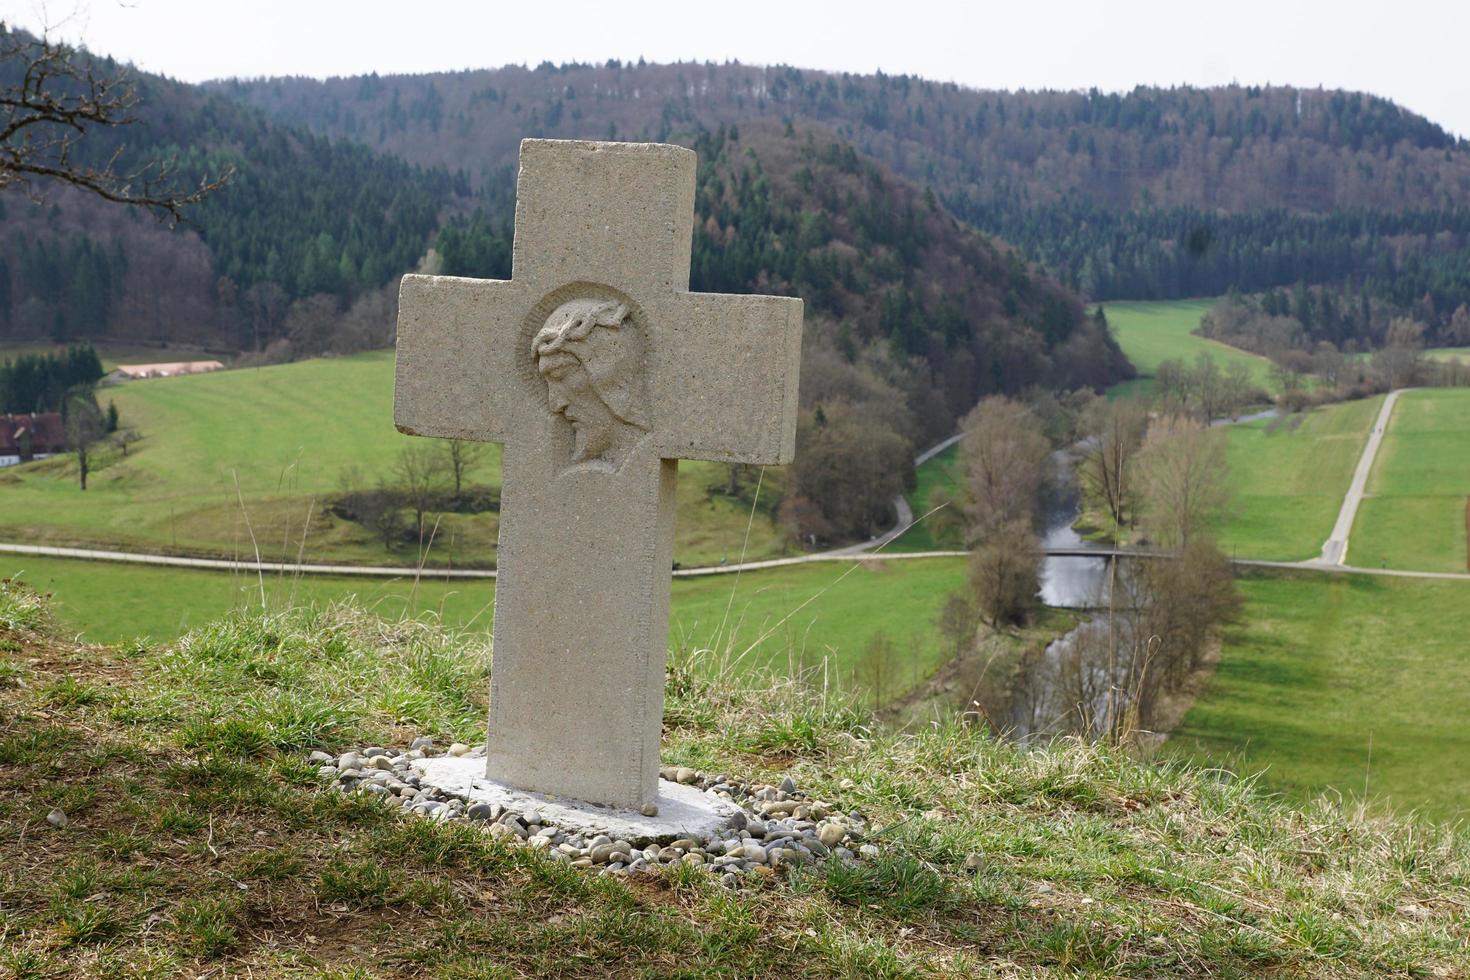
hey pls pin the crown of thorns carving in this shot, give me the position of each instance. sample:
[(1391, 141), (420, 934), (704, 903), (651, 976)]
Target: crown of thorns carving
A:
[(571, 323)]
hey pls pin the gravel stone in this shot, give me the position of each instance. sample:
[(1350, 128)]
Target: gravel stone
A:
[(776, 828)]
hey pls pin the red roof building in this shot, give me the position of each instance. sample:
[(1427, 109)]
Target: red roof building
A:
[(27, 437)]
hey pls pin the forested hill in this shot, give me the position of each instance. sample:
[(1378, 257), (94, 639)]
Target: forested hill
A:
[(303, 217), (1159, 192)]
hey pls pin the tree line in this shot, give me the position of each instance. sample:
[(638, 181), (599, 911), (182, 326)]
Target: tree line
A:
[(40, 382), (1351, 321)]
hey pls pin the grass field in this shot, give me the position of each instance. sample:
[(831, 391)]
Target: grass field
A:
[(797, 616), (1288, 477), (199, 841), (1156, 331), (281, 438), (1348, 682), (938, 531), (1414, 515), (1448, 354)]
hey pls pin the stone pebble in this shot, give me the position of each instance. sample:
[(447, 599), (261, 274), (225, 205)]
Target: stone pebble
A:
[(777, 827)]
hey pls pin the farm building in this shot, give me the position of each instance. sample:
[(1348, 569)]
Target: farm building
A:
[(133, 372), (27, 437)]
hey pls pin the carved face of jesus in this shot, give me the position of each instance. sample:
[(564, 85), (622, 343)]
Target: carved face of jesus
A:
[(569, 393), (591, 359)]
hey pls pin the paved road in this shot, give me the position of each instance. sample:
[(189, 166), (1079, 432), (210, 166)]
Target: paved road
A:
[(395, 571), (1334, 551)]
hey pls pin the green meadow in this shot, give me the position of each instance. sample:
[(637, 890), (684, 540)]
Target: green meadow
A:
[(939, 531), (1152, 332), (1352, 683), (799, 616), (1414, 515), (235, 461), (1288, 477)]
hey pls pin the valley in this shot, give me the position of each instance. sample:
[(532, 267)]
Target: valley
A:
[(1071, 578), (1320, 642)]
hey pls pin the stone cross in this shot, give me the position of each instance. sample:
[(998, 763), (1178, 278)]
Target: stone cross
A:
[(598, 370)]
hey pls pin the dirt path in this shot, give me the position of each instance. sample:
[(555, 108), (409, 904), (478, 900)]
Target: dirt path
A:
[(1334, 551)]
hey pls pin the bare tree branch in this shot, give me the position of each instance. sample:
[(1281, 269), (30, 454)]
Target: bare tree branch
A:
[(58, 97)]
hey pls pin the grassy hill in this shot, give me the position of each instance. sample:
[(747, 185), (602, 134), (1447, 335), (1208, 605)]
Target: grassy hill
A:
[(1449, 354), (1415, 512), (183, 855), (1153, 332), (281, 439)]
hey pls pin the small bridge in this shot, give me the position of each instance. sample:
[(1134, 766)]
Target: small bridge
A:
[(1103, 552)]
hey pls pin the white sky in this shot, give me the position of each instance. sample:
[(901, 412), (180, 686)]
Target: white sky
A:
[(1416, 52)]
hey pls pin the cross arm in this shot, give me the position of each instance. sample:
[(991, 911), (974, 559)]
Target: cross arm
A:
[(728, 369), (457, 375)]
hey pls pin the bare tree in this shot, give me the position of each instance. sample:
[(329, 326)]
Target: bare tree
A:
[(379, 511), (84, 429), (1114, 431), (1329, 364), (45, 116), (850, 466), (265, 306), (957, 622), (1182, 478), (1210, 391), (1005, 571), (1240, 388), (461, 456), (420, 473), (1289, 368), (1004, 454), (1459, 329)]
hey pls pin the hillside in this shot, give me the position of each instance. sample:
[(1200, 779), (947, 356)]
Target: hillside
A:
[(1156, 193), (878, 260), (260, 453), (193, 836), (306, 226)]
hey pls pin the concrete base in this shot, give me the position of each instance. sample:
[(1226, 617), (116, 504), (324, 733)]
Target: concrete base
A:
[(683, 811)]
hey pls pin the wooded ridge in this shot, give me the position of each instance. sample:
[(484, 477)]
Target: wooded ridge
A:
[(1154, 193)]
